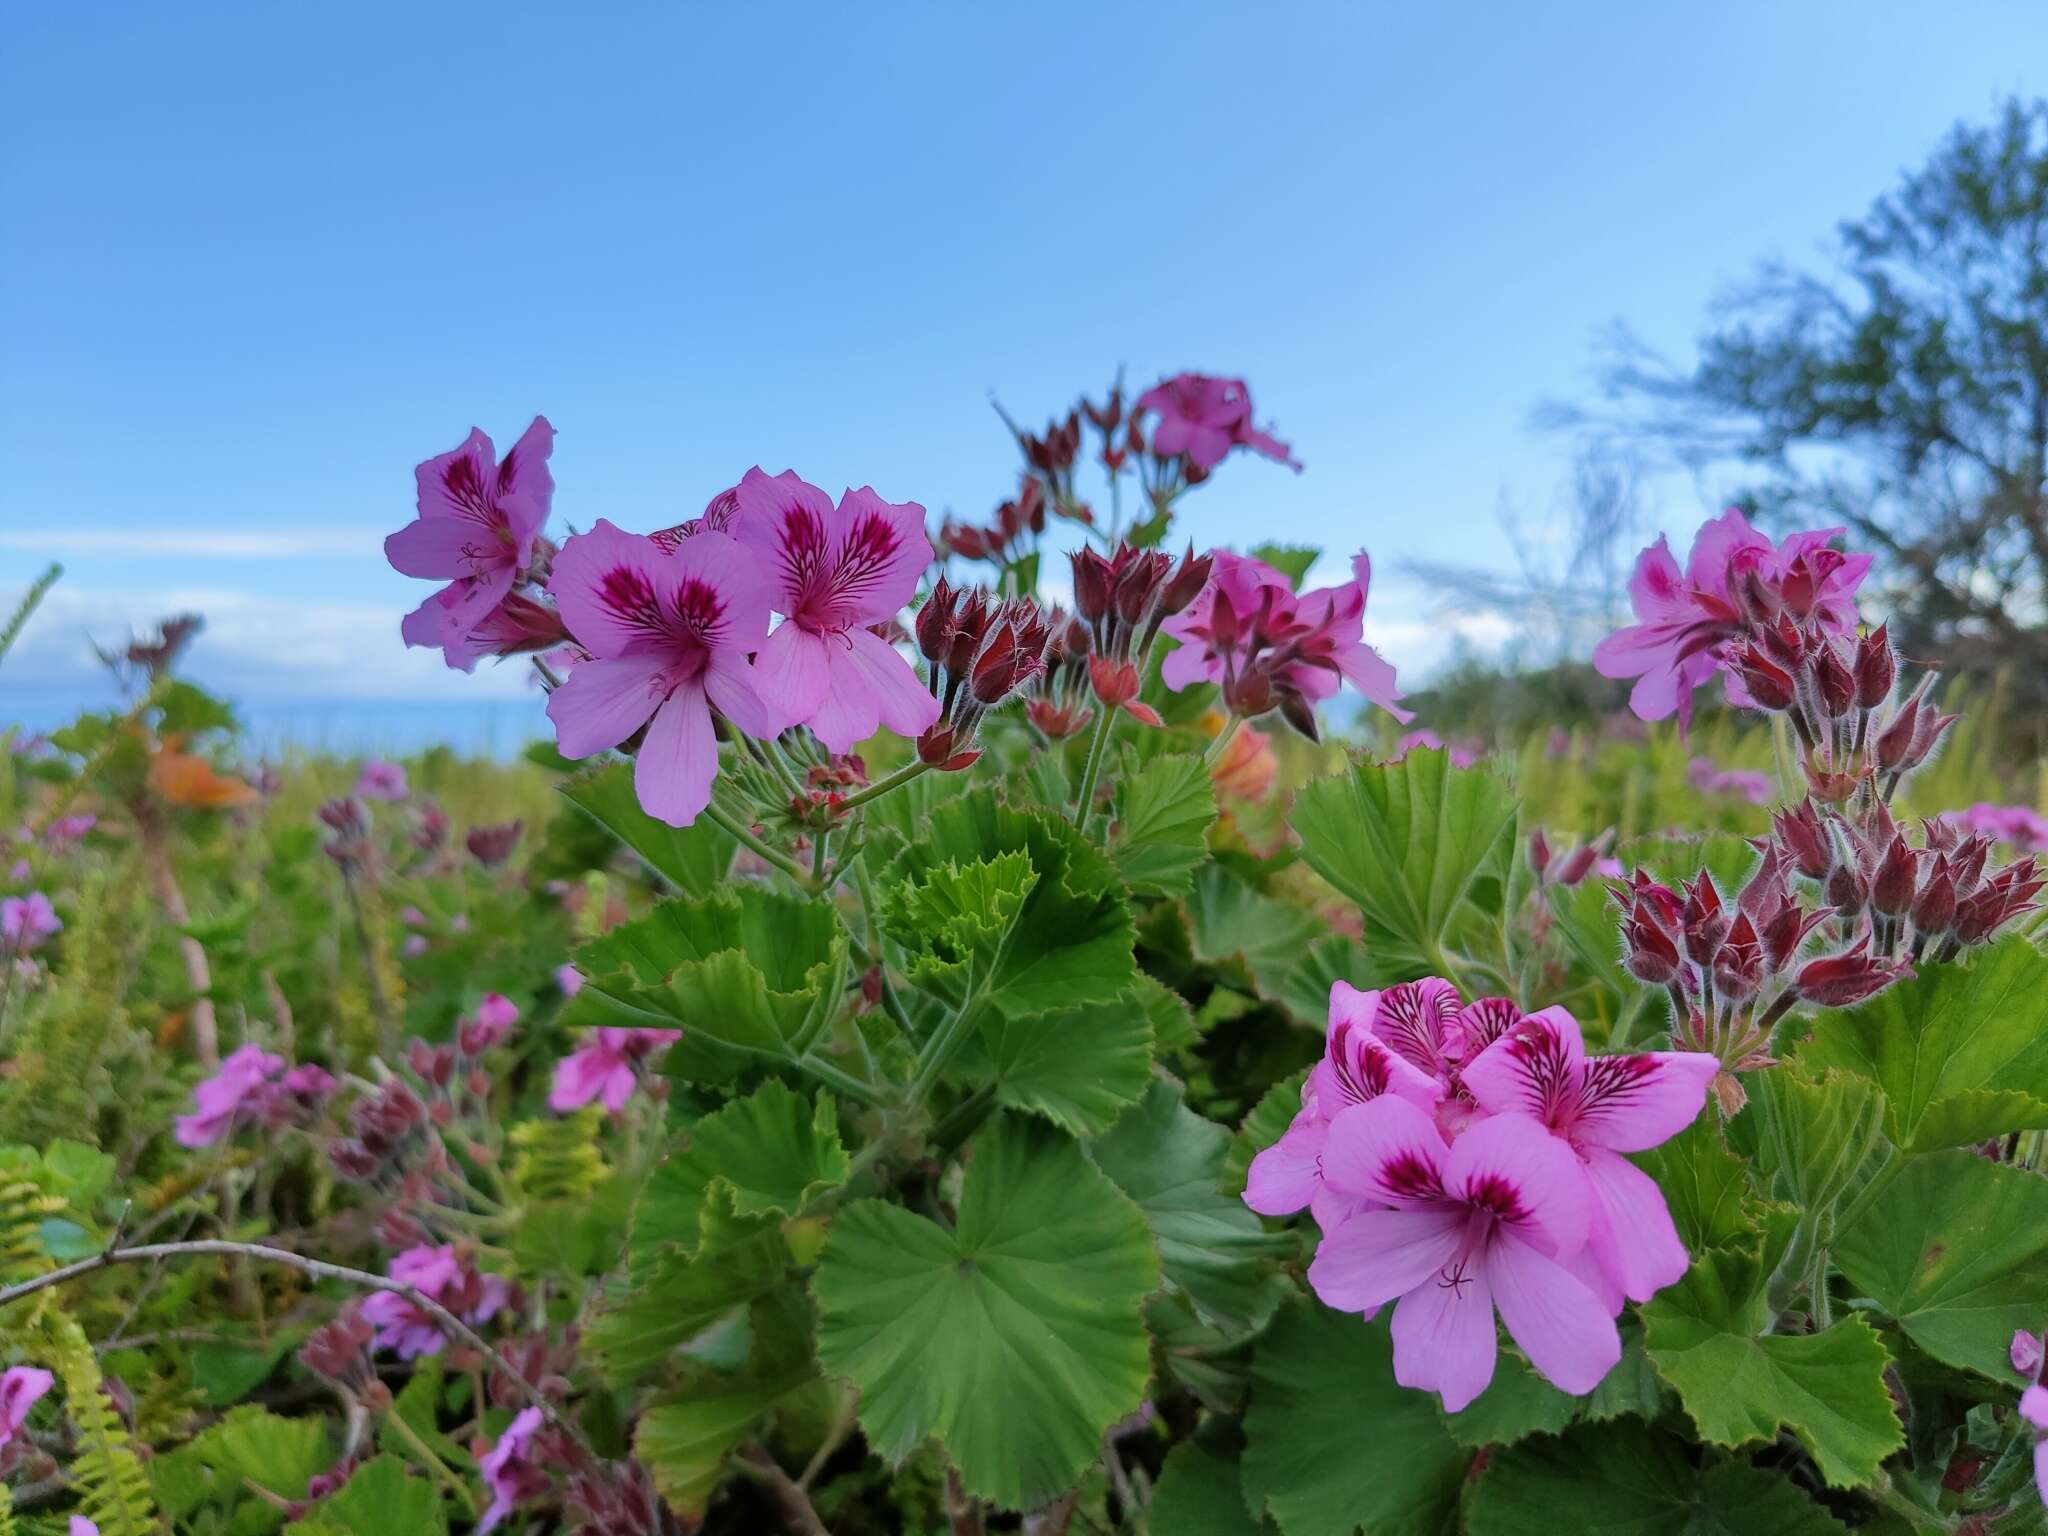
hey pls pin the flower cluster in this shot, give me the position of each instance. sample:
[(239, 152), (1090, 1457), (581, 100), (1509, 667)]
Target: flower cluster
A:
[(1710, 778), (26, 921), (982, 650), (1770, 618), (441, 1274), (2017, 826), (606, 1067), (253, 1086), (1123, 600), (1268, 647), (1463, 1158)]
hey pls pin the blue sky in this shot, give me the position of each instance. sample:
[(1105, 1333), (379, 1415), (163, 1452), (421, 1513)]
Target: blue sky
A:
[(256, 260)]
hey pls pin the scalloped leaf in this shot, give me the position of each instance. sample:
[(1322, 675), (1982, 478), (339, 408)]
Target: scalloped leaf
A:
[(1630, 1480), (1960, 1050), (1081, 1067), (1159, 832), (1407, 841), (1212, 1247), (1956, 1249), (1015, 1340), (693, 859), (1333, 1442)]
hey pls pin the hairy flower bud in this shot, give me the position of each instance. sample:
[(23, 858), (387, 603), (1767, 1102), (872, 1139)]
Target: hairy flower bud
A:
[(1838, 981), (1802, 835), (1649, 953), (1833, 681), (1539, 853), (1875, 668), (1770, 685), (1892, 887), (1934, 909), (1706, 922)]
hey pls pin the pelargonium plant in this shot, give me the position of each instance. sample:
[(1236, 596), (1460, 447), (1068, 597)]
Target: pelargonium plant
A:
[(966, 1027)]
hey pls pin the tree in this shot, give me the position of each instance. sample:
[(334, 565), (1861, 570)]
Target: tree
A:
[(1905, 396)]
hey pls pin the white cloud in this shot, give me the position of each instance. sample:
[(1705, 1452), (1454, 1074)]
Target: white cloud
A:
[(197, 543), (253, 646)]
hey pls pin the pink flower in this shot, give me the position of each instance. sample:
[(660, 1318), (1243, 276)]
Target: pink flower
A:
[(310, 1085), (491, 1024), (1734, 577), (1601, 1107), (569, 980), (414, 945), (80, 1526), (20, 1388), (26, 921), (602, 1068), (382, 781), (442, 1275), (238, 1089), (477, 522), (1456, 1231), (670, 632), (2026, 1353), (2034, 1409), (833, 572), (1202, 418), (508, 1468), (2023, 827), (1708, 778), (1268, 647), (1357, 1067)]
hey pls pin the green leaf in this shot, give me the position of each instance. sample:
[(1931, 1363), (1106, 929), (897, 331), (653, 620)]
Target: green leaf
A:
[(1631, 1480), (277, 1453), (748, 971), (678, 1296), (1739, 1384), (1231, 922), (1159, 833), (1015, 1339), (684, 1440), (1406, 841), (1200, 1494), (1812, 1136), (1519, 1403), (771, 1152), (954, 920), (693, 859), (1211, 1245), (1705, 1185), (1961, 1051), (1304, 989), (1333, 1443), (1079, 1067), (224, 1371), (1953, 1248), (381, 1498), (1071, 943), (1290, 560)]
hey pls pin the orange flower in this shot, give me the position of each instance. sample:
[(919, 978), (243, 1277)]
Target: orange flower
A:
[(1247, 765), (193, 782)]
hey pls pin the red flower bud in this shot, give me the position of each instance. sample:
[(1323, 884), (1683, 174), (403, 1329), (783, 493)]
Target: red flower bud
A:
[(1839, 981), (1892, 888), (1706, 924), (1876, 668), (1833, 680)]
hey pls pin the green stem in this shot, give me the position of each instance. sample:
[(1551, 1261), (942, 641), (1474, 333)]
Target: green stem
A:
[(963, 1119), (30, 601), (434, 1464), (744, 836), (1222, 740), (818, 847), (1084, 803), (881, 787), (938, 1050), (838, 1079)]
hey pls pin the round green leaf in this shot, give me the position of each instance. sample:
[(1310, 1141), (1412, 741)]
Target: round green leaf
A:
[(1016, 1338)]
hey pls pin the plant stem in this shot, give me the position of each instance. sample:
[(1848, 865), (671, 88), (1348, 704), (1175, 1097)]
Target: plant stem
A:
[(319, 1269), (434, 1463), (881, 787), (29, 602), (794, 1505), (818, 848), (1084, 802), (1222, 740), (745, 837)]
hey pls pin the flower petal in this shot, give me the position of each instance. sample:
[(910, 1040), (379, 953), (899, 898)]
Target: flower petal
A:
[(792, 672), (1284, 1176), (1375, 1256), (851, 711), (1631, 1103), (879, 550), (678, 760), (601, 703), (788, 524), (1631, 1236), (1534, 1068), (604, 582), (735, 692), (1386, 1150), (1444, 1339), (1511, 1166), (907, 706), (1556, 1319)]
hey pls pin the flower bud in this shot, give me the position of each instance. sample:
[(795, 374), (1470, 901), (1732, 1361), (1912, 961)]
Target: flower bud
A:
[(1706, 923), (1891, 889), (1875, 669), (1186, 583), (1739, 963), (1833, 680), (1770, 685), (935, 622), (1839, 981), (1801, 834), (1539, 853), (1934, 909), (1648, 954)]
